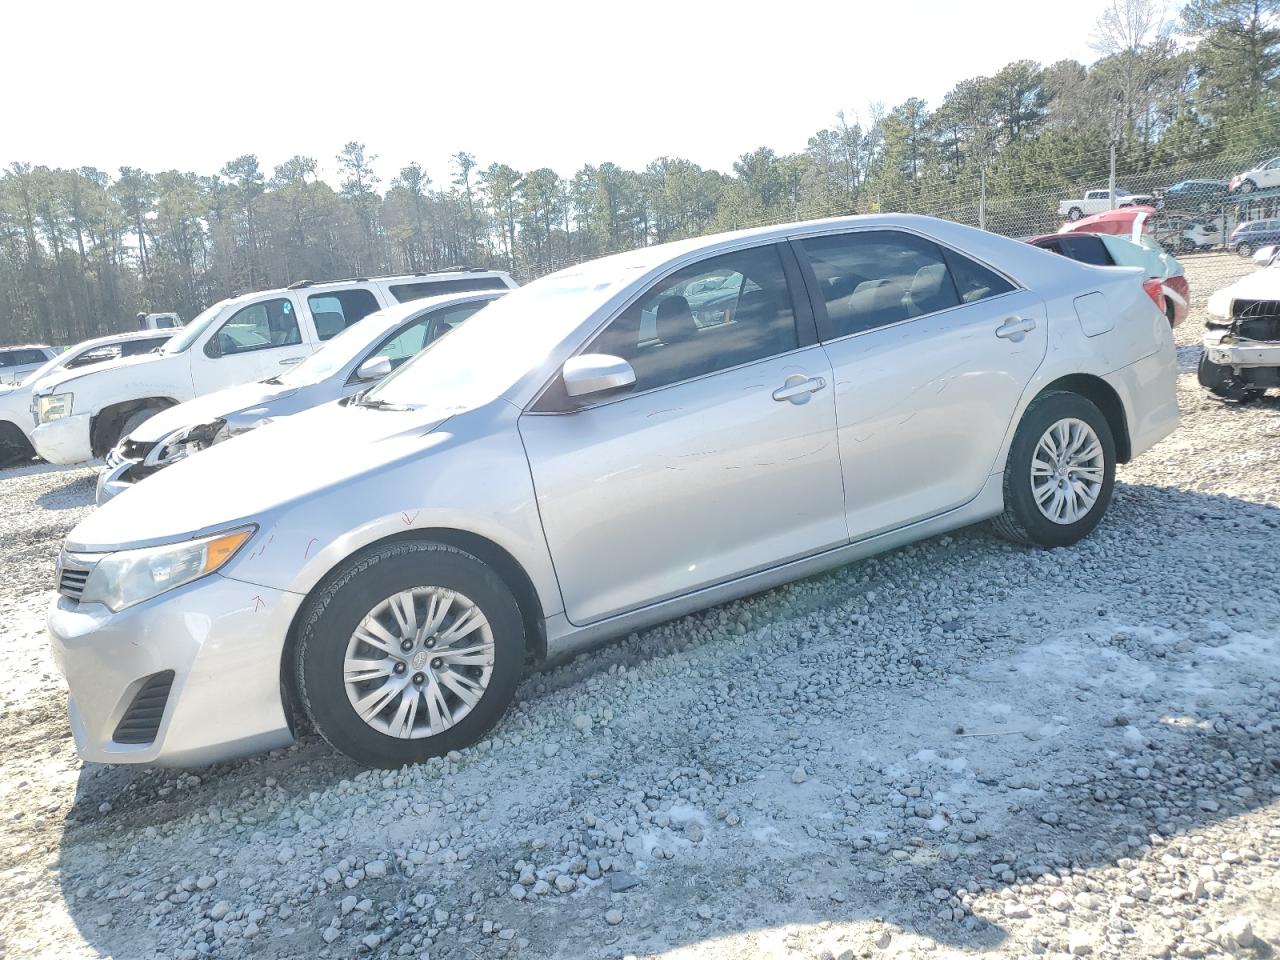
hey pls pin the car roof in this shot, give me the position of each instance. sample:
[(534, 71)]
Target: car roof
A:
[(307, 288)]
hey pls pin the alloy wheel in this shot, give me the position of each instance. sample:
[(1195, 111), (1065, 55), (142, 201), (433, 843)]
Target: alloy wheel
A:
[(418, 662), (1067, 471)]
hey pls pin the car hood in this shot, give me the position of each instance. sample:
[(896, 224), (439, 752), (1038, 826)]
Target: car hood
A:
[(1262, 284), (210, 407), (244, 479), (57, 380)]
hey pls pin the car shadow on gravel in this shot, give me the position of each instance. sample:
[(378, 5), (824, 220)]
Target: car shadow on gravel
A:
[(73, 494), (1032, 806)]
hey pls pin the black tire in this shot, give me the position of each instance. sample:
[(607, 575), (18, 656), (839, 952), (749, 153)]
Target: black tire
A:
[(1247, 187), (1188, 245), (14, 445), (332, 614), (1075, 213), (1244, 248), (1022, 522)]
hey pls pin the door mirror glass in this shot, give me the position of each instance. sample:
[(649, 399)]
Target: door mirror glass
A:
[(591, 373), (375, 368)]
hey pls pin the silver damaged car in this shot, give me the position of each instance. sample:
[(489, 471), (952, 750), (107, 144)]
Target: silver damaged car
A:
[(614, 445)]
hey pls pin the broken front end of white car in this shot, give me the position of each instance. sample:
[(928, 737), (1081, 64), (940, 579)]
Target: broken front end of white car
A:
[(1241, 359)]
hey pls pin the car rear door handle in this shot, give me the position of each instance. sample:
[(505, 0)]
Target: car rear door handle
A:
[(1015, 328), (798, 387), (290, 361)]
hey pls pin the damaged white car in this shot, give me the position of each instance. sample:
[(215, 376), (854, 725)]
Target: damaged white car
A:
[(351, 362), (1241, 358)]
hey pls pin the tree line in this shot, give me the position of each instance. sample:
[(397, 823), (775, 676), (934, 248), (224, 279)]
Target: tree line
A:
[(82, 250)]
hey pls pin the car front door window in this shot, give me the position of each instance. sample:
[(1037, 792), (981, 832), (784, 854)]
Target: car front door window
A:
[(721, 313), (257, 326)]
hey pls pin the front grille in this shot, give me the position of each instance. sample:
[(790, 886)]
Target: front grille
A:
[(1258, 319), (73, 573), (71, 583), (141, 721)]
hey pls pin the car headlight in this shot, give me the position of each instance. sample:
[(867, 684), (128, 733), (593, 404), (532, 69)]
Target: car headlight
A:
[(183, 443), (126, 577), (55, 406)]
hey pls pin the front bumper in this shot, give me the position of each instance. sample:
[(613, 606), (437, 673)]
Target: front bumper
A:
[(114, 479), (1242, 354), (223, 640), (65, 440)]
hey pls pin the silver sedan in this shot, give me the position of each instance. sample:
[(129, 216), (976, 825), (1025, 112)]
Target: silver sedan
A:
[(353, 361), (606, 448)]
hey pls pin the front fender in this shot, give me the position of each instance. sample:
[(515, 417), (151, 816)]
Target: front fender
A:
[(480, 486)]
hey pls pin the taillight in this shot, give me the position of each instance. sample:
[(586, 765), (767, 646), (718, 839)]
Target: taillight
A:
[(1155, 290)]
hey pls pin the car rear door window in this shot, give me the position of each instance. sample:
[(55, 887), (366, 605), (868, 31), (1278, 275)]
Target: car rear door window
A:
[(874, 278), (334, 312), (712, 315)]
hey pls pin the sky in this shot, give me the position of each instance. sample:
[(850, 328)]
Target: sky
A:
[(559, 83)]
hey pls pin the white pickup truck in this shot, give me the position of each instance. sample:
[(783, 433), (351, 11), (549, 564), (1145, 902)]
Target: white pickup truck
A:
[(1099, 201), (82, 414)]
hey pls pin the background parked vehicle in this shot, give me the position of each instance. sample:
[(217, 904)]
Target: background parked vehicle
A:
[(352, 361), (1198, 195), (558, 472), (159, 321), (1096, 201), (17, 411), (1241, 358), (1250, 236), (1167, 285), (1262, 177), (241, 339), (17, 363)]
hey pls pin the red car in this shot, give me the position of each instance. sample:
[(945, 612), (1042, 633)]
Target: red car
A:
[(1167, 284)]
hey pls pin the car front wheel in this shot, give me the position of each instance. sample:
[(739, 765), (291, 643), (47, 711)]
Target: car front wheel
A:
[(1060, 472), (1244, 249), (411, 650)]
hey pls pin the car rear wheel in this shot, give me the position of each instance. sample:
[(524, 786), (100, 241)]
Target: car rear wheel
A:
[(1075, 213), (14, 445), (1060, 472), (413, 649)]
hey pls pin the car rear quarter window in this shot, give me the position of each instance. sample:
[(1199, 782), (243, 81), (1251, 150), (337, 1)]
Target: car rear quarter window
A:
[(1087, 249)]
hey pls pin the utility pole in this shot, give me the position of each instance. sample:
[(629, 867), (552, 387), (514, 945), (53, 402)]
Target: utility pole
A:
[(982, 198), (1111, 184)]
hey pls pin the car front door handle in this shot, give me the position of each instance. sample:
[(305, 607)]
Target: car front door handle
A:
[(1015, 328), (798, 388), (290, 361)]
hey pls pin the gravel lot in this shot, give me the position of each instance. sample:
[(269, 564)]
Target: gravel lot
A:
[(954, 748)]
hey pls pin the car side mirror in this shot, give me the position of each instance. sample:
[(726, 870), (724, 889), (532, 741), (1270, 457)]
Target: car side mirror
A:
[(375, 368), (591, 373)]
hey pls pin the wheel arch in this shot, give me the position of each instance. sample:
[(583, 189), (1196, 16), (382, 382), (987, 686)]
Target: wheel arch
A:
[(104, 425), (482, 548), (1103, 396)]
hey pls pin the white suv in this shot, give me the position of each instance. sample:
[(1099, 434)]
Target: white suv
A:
[(17, 362), (80, 416)]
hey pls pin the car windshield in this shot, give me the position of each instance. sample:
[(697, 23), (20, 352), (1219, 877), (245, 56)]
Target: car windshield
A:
[(193, 330), (338, 352), (492, 350)]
